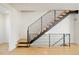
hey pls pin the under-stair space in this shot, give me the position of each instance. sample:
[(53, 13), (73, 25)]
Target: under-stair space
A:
[(44, 24), (52, 40)]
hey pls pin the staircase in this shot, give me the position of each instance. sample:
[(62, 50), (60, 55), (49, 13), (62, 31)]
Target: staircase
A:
[(45, 23)]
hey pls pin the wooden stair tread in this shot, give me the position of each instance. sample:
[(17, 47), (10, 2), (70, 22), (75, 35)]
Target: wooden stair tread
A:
[(22, 40), (57, 18), (63, 14), (67, 11), (60, 16), (22, 46), (23, 43), (50, 23)]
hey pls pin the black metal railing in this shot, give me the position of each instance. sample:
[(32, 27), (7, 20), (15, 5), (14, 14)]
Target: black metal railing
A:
[(63, 38), (45, 22), (41, 23), (50, 40)]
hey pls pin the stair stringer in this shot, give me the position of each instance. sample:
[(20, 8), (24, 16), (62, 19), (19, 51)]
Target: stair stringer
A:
[(56, 22)]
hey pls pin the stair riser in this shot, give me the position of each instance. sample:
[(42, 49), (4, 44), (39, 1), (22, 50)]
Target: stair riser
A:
[(23, 46)]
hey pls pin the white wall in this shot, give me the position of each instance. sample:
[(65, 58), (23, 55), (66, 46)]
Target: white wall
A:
[(3, 38), (76, 28), (3, 34)]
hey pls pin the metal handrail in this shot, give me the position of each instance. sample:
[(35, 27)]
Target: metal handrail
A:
[(44, 15), (39, 18)]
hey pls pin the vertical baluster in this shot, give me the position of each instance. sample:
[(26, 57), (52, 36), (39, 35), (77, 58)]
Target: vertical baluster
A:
[(63, 40), (69, 40), (28, 38), (54, 15), (41, 24), (49, 40)]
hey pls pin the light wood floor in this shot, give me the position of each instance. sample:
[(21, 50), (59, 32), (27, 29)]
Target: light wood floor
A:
[(4, 47), (73, 50)]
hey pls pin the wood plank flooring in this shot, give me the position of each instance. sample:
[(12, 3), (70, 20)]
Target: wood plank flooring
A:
[(73, 50)]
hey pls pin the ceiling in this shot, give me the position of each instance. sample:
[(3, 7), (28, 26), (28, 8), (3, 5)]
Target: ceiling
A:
[(43, 6)]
